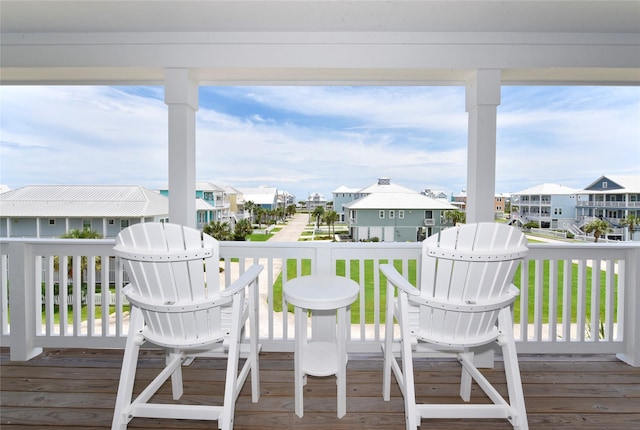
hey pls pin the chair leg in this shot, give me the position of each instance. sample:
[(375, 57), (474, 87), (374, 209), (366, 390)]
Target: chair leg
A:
[(512, 371), (177, 387), (128, 372), (411, 410), (225, 420), (388, 346), (254, 350), (466, 379)]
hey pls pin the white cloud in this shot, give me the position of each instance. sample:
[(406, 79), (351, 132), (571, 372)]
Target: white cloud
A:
[(314, 139)]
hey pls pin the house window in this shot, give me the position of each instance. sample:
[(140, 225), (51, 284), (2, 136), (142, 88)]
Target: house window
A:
[(381, 214), (111, 222), (401, 214), (392, 214), (604, 184), (428, 214), (124, 223), (52, 222), (86, 224)]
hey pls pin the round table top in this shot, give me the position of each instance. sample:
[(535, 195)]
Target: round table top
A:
[(321, 292)]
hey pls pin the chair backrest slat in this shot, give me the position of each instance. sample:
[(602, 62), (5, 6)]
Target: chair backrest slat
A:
[(171, 269), (452, 274)]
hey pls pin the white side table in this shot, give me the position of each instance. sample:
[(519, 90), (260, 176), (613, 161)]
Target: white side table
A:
[(328, 295)]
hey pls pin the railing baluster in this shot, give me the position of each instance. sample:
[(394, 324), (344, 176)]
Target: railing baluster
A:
[(566, 300)]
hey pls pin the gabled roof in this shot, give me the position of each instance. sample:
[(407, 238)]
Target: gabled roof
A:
[(399, 200), (384, 185), (123, 201), (345, 189), (260, 195), (551, 189), (208, 186), (629, 184), (203, 205)]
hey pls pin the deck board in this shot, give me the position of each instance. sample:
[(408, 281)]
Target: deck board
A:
[(75, 388)]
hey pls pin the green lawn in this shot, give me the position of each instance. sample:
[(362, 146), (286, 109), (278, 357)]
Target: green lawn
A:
[(369, 288)]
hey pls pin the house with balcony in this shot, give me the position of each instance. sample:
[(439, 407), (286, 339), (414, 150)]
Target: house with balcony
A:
[(552, 206), (316, 200), (612, 198), (212, 203), (48, 211), (71, 361), (389, 212)]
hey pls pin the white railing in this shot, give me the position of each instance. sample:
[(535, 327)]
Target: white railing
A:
[(575, 298)]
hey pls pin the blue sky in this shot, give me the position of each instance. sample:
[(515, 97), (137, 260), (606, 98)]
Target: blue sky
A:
[(315, 139)]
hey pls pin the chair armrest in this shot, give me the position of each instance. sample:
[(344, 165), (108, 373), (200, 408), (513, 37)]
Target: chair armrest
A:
[(245, 279), (395, 278)]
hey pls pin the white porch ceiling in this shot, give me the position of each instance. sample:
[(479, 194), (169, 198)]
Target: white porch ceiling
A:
[(306, 42)]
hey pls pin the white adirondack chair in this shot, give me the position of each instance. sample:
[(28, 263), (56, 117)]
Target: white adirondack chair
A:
[(463, 301), (176, 303)]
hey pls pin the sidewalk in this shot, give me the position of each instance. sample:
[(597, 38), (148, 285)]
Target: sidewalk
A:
[(290, 232)]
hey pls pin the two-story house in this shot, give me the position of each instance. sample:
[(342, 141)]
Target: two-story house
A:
[(612, 198), (552, 206), (212, 203), (393, 213)]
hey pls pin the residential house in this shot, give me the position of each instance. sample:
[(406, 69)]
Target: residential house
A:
[(434, 194), (499, 203), (341, 196), (48, 211), (393, 213), (612, 198), (212, 203), (552, 206), (265, 197), (316, 200)]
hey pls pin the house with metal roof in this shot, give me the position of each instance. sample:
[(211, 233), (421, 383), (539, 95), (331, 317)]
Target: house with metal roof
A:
[(47, 211), (552, 206), (393, 213), (265, 197), (212, 203), (341, 196), (612, 198)]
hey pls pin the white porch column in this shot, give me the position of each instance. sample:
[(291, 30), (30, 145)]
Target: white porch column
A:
[(482, 100), (181, 96)]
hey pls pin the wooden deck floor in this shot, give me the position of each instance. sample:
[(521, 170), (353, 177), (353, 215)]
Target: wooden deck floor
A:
[(72, 388)]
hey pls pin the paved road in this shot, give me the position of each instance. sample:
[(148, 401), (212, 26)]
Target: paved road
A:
[(292, 230)]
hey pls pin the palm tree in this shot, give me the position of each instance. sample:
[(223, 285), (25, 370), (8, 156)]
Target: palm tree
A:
[(250, 206), (631, 221), (259, 213), (330, 218), (74, 233), (242, 230), (218, 230), (598, 227), (455, 216), (317, 214)]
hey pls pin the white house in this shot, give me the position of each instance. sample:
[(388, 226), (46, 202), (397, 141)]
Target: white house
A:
[(550, 205)]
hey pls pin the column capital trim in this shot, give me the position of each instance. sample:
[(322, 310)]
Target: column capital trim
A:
[(483, 88)]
